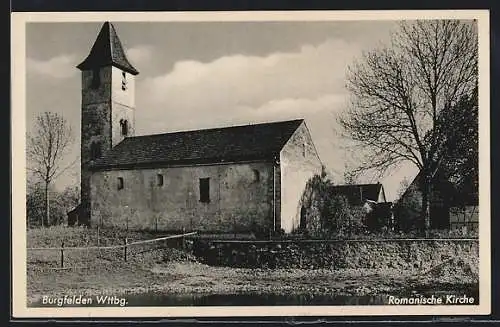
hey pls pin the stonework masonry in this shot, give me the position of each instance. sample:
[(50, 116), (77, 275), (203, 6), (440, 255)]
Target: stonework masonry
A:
[(95, 127), (339, 254), (107, 99), (241, 198)]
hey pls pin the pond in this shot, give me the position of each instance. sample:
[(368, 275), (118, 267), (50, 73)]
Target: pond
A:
[(251, 299), (256, 299)]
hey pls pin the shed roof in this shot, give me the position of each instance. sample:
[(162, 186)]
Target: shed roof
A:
[(236, 143), (107, 51)]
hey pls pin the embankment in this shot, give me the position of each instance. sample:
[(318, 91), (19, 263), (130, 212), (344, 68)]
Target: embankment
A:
[(418, 254)]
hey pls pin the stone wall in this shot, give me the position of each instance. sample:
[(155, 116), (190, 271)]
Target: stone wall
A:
[(299, 162), (95, 128), (240, 198), (103, 106), (332, 254)]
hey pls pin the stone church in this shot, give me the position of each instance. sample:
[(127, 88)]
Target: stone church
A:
[(233, 179)]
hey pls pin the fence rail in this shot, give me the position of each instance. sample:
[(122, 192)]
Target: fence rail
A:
[(110, 246), (123, 246), (350, 240)]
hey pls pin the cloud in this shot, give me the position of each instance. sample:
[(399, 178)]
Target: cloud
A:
[(242, 89), (138, 54), (251, 80), (282, 109), (60, 67), (230, 85)]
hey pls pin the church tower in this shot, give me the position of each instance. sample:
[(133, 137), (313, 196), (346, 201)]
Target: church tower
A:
[(108, 105)]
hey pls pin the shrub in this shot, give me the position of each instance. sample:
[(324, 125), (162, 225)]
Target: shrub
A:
[(328, 214), (342, 219)]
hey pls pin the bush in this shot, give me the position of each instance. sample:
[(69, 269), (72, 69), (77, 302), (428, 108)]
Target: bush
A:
[(328, 214), (341, 218)]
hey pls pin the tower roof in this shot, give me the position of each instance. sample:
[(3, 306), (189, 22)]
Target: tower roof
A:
[(107, 51)]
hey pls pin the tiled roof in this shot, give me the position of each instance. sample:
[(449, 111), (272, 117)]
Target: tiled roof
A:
[(248, 142), (357, 194), (107, 50)]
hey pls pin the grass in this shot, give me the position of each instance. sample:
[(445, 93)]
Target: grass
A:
[(81, 236), (53, 237)]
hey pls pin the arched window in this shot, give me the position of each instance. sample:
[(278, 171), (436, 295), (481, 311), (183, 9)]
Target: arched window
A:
[(124, 81), (95, 150), (124, 127), (256, 175), (96, 79), (120, 183)]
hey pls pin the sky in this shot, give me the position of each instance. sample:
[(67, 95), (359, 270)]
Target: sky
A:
[(211, 74)]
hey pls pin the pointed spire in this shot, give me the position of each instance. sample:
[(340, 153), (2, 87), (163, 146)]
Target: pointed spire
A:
[(107, 51)]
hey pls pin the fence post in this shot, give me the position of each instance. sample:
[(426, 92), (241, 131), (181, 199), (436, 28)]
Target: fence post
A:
[(98, 242), (125, 241), (300, 256), (183, 239), (62, 254)]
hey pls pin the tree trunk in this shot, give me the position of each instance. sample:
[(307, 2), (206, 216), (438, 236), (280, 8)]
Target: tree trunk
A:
[(45, 221), (426, 205)]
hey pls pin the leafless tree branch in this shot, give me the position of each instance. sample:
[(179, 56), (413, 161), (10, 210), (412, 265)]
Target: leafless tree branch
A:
[(399, 94), (46, 148)]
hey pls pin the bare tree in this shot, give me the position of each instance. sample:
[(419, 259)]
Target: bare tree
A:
[(399, 92), (349, 175), (46, 147)]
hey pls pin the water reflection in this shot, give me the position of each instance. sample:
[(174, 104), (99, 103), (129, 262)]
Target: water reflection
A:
[(252, 299), (255, 299)]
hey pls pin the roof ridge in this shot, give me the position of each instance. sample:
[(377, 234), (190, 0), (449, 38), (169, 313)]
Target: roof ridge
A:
[(361, 184), (217, 128)]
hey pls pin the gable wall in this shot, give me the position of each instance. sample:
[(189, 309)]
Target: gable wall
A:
[(296, 169), (381, 195), (409, 206), (237, 201)]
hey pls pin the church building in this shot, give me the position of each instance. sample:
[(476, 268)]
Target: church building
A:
[(246, 178)]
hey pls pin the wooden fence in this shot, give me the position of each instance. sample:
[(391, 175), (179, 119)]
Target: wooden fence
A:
[(125, 246)]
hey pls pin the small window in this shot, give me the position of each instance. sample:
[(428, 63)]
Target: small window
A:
[(256, 175), (120, 183), (205, 190), (159, 180), (124, 127), (95, 150), (96, 79), (124, 81), (304, 149)]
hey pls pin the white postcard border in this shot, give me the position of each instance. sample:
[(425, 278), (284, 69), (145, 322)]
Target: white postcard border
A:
[(18, 232)]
